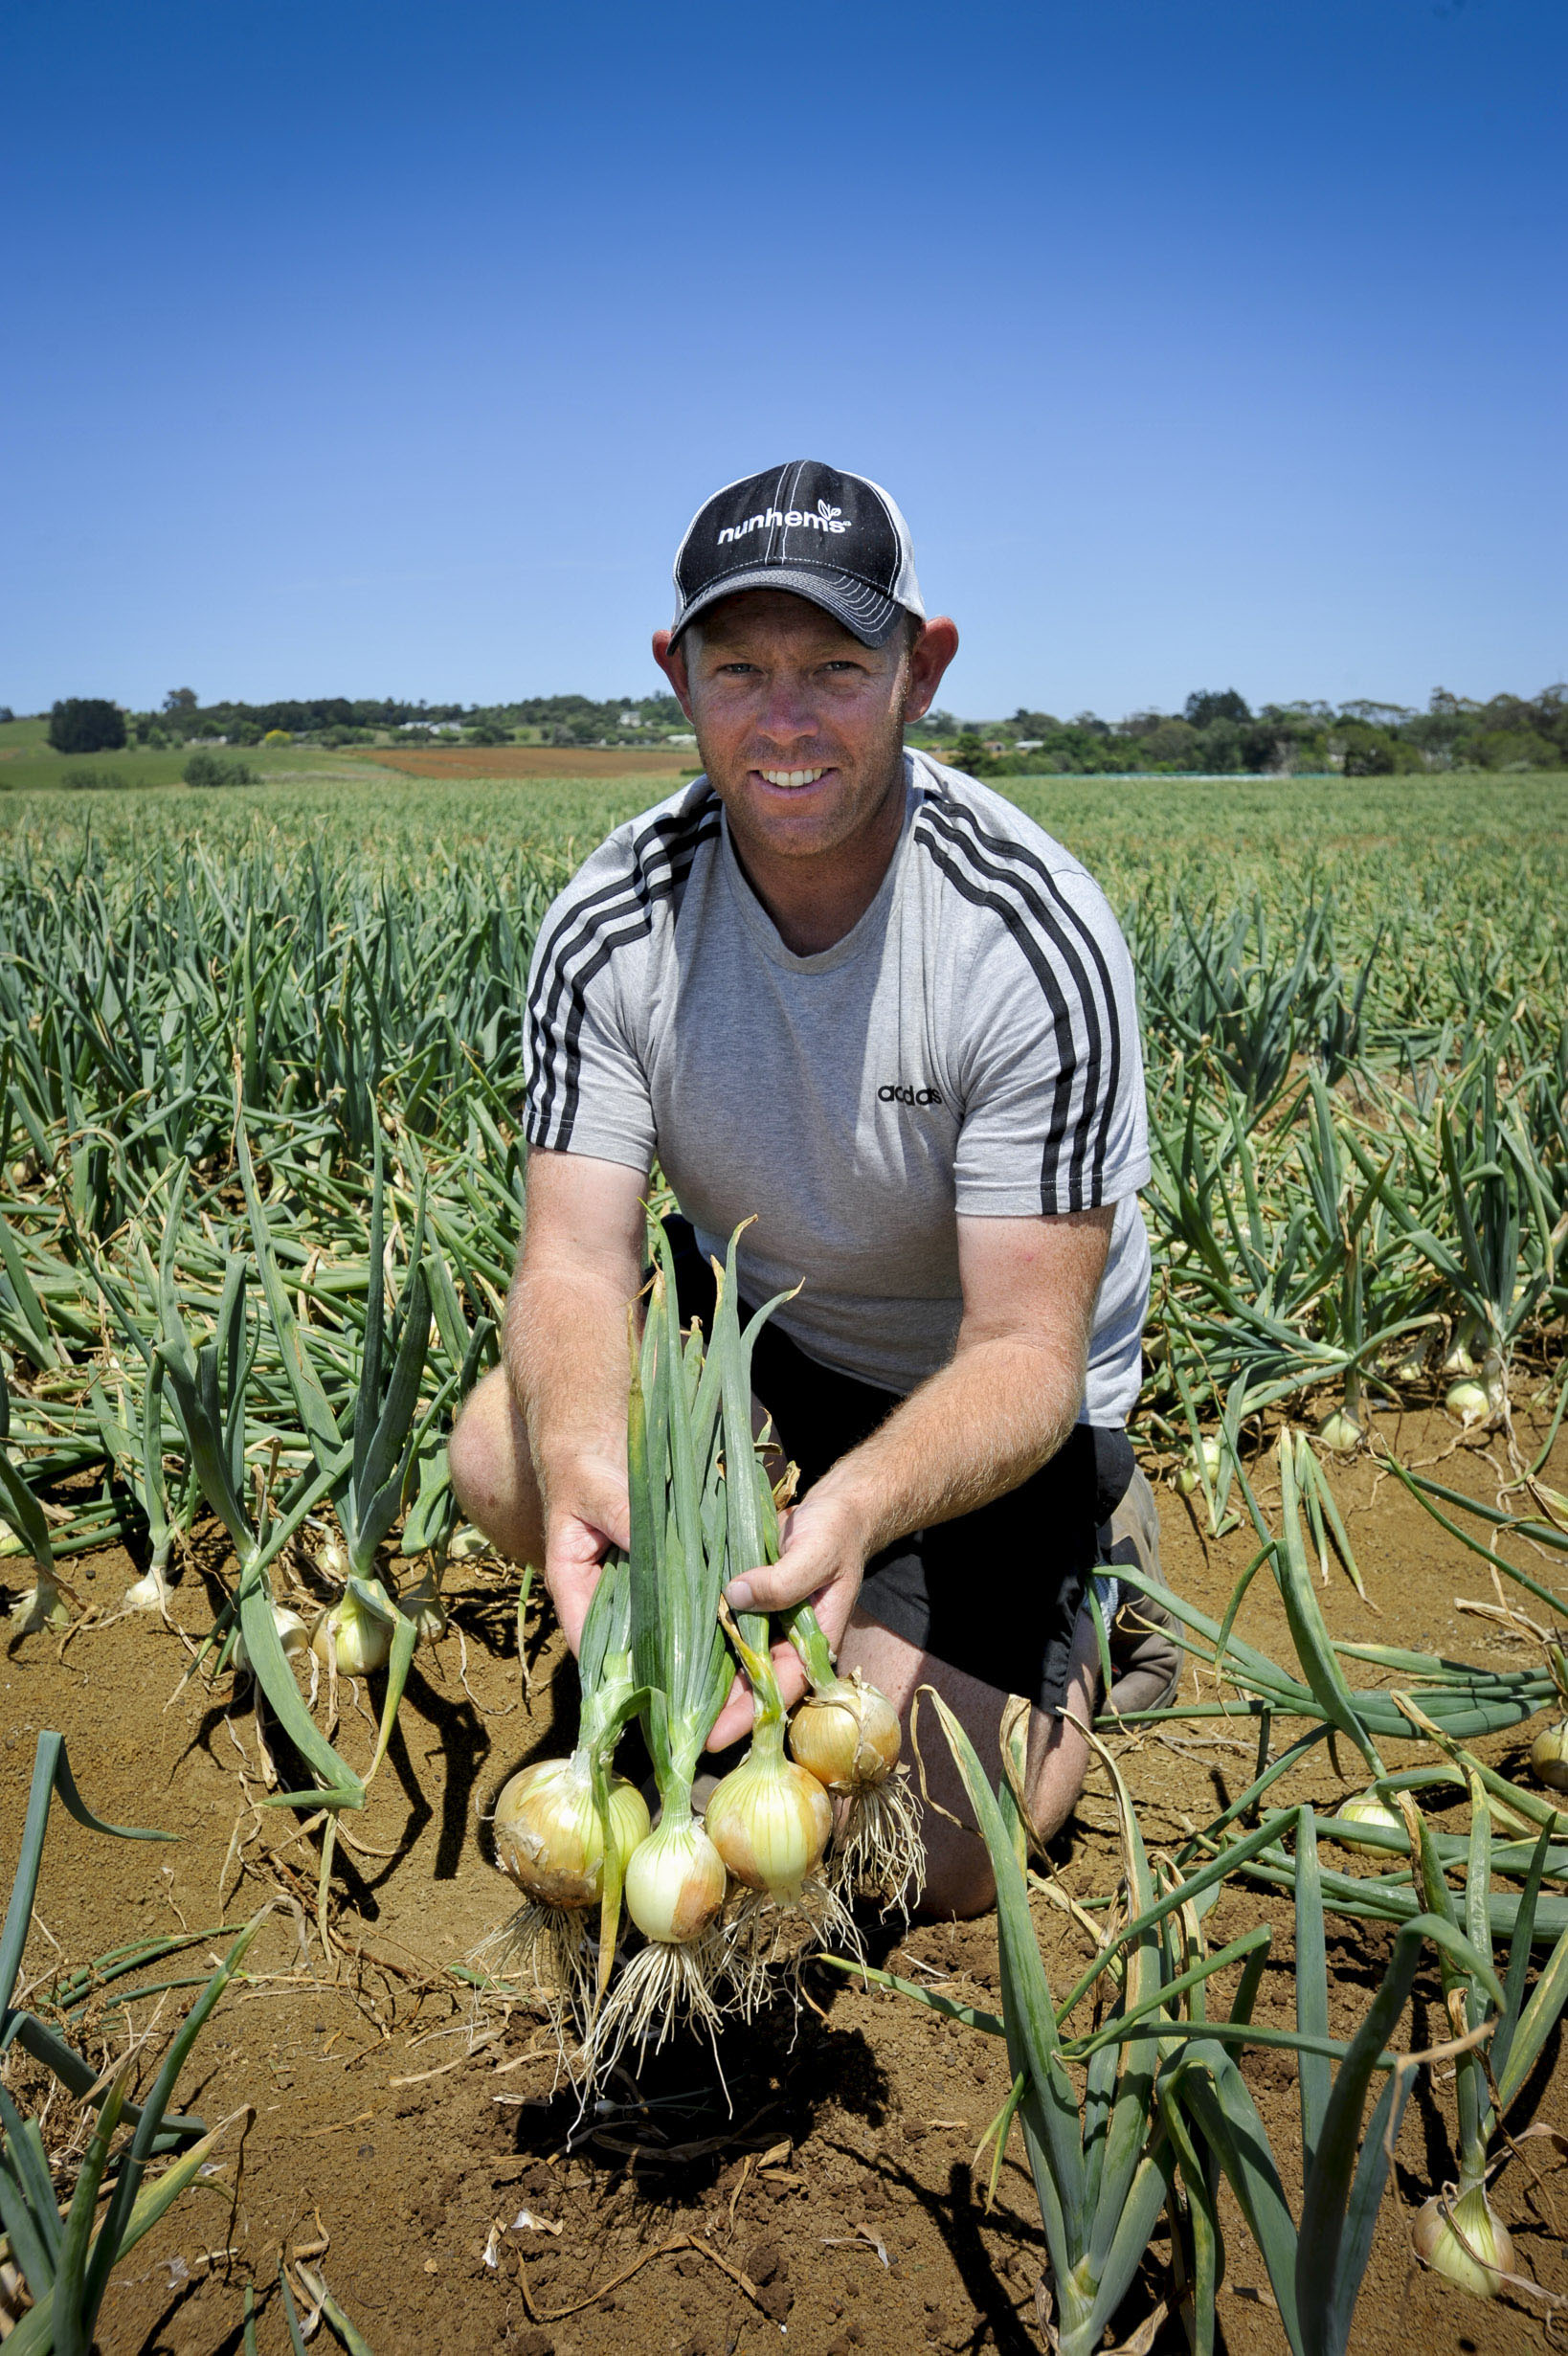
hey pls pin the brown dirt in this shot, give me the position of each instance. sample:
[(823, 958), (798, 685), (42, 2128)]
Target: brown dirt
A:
[(383, 2127), (534, 760)]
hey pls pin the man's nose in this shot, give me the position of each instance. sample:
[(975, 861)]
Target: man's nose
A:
[(788, 714)]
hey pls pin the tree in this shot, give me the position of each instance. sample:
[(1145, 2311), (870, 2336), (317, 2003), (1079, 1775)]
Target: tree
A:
[(86, 724), (180, 699), (1206, 705)]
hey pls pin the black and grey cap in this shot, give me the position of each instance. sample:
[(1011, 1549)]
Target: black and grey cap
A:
[(808, 529)]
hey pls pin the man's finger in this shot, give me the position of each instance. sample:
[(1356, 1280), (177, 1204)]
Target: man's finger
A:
[(734, 1720), (774, 1587)]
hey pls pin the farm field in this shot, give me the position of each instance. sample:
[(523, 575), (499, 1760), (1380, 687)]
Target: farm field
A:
[(1355, 1000)]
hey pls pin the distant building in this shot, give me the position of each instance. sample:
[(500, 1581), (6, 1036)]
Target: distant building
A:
[(680, 740), (1028, 744), (630, 719)]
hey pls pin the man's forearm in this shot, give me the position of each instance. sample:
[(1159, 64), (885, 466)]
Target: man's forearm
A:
[(995, 1414), (568, 1367)]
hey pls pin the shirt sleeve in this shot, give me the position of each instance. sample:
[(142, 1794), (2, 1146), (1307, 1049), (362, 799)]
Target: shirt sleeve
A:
[(586, 1085), (1054, 1117)]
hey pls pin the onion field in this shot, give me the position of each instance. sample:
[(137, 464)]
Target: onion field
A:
[(1276, 2028)]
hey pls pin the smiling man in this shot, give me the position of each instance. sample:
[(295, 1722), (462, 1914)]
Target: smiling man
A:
[(835, 986)]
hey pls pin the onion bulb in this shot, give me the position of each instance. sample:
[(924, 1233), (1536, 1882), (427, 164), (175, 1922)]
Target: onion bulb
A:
[(1188, 1476), (148, 1593), (1437, 2237), (1468, 1401), (1340, 1431), (422, 1604), (43, 1606), (770, 1822), (292, 1633), (676, 1883), (847, 1735), (359, 1627), (1367, 1808), (549, 1836), (1549, 1757)]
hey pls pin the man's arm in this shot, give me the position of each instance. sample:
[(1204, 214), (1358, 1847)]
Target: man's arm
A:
[(999, 1409), (566, 1348)]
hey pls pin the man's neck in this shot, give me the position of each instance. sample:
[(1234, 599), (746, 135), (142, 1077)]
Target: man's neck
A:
[(814, 902)]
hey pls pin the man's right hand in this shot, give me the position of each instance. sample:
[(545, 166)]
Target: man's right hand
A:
[(587, 1511)]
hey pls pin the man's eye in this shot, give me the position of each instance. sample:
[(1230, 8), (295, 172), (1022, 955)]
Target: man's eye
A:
[(844, 665)]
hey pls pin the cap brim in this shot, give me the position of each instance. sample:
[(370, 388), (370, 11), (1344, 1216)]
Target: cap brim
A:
[(863, 611)]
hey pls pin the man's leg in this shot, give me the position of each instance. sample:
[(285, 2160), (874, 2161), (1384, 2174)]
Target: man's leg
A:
[(492, 1471), (958, 1877)]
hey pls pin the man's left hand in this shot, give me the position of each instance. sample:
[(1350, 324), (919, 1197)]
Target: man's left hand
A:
[(822, 1560)]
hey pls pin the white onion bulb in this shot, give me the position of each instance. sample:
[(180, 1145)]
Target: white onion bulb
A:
[(549, 1837), (1366, 1808), (770, 1822), (676, 1883), (1549, 1757), (292, 1633), (1340, 1431), (1438, 2243), (362, 1636), (1468, 1400), (847, 1735), (1188, 1476)]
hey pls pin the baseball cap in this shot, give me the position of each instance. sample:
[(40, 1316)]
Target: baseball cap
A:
[(811, 529)]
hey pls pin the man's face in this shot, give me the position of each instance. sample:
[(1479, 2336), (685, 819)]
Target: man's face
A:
[(800, 726)]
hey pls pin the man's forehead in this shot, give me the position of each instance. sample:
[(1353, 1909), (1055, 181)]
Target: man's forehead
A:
[(771, 613)]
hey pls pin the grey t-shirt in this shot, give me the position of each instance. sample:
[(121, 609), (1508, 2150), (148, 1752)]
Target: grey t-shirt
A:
[(970, 1048)]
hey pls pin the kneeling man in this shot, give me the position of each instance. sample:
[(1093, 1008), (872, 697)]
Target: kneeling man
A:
[(840, 987)]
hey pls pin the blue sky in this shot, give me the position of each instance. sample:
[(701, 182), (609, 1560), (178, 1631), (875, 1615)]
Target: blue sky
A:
[(386, 350)]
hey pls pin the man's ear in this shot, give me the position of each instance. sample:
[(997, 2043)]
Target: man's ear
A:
[(672, 662), (928, 657)]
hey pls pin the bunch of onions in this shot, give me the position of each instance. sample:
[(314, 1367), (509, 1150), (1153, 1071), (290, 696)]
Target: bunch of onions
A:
[(1459, 2237), (846, 1734), (566, 1829)]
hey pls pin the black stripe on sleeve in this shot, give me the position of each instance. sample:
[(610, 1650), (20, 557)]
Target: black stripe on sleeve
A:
[(1026, 917), (1013, 855), (581, 944)]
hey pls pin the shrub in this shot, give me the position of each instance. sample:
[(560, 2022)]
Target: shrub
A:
[(205, 769), (95, 780), (86, 724), (278, 736)]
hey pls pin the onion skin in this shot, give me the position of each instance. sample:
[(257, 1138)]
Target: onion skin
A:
[(1549, 1757), (1188, 1476), (676, 1883), (847, 1735), (1468, 1400), (1340, 1431), (1438, 2243), (548, 1833), (770, 1822)]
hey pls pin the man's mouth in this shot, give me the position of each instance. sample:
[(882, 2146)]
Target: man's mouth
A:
[(791, 778)]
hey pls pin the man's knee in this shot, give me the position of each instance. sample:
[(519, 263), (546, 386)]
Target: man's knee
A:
[(492, 1473)]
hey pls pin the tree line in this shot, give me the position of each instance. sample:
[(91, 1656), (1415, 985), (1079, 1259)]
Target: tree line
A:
[(1215, 732), (1218, 733)]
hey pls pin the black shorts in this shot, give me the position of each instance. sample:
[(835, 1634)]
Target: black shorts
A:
[(995, 1593)]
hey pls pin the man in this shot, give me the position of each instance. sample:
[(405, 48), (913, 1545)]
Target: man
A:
[(840, 987)]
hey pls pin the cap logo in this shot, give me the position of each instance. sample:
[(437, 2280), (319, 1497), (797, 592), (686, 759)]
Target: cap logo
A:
[(826, 519)]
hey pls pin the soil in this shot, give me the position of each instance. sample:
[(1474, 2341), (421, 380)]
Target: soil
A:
[(419, 2141)]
